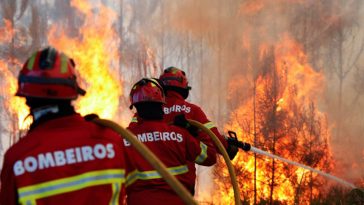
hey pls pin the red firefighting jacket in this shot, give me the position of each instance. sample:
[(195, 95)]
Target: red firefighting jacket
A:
[(66, 160), (175, 147), (176, 105)]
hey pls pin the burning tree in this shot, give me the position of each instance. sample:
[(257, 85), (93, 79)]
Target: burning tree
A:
[(288, 124), (113, 45), (13, 109)]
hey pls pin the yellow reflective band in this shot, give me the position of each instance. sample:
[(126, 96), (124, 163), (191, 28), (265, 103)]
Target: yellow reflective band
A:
[(31, 202), (64, 61), (115, 177), (134, 119), (31, 62), (153, 174), (209, 125), (116, 188), (203, 155)]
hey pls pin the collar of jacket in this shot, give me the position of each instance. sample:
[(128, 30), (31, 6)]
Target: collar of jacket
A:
[(42, 111), (174, 94), (47, 113)]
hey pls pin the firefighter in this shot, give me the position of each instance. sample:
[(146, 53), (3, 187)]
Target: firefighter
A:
[(173, 145), (177, 90), (175, 85), (63, 159)]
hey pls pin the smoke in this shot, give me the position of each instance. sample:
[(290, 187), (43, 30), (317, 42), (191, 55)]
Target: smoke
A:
[(236, 32), (221, 44)]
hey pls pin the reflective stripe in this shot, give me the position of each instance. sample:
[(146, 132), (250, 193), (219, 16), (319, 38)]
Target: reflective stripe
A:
[(203, 155), (134, 119), (153, 174), (31, 62), (116, 177), (116, 187), (64, 61), (31, 202), (209, 125)]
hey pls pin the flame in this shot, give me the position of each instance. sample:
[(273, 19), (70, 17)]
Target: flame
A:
[(291, 86), (97, 59), (256, 6), (280, 104), (96, 55), (149, 58), (7, 32), (15, 105), (251, 7)]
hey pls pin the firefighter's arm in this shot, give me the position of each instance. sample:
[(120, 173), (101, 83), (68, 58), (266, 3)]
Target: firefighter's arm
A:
[(8, 192), (201, 117), (199, 152), (181, 121)]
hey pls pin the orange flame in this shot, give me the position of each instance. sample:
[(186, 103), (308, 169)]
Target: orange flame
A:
[(298, 87), (251, 7), (15, 105), (96, 56), (7, 32), (149, 58)]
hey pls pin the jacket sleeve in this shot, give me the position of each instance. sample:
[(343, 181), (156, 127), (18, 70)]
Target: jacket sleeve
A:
[(200, 116), (8, 192), (198, 152)]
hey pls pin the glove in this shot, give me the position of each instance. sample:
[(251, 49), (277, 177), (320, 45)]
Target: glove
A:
[(232, 149), (181, 121), (90, 117)]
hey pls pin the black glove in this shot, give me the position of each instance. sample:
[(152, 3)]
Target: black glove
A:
[(232, 150), (181, 121), (90, 117)]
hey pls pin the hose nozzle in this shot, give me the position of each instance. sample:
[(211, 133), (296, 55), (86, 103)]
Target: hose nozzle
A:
[(234, 141)]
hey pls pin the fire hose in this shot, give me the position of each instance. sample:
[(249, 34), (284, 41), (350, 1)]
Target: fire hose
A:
[(225, 156), (151, 158)]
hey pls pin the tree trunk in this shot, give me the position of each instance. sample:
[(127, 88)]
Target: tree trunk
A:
[(219, 65), (297, 197), (341, 81), (273, 171), (274, 125), (255, 140), (163, 17), (201, 56)]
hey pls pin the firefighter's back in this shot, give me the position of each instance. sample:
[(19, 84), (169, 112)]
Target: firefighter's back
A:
[(144, 184), (66, 160), (175, 148)]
